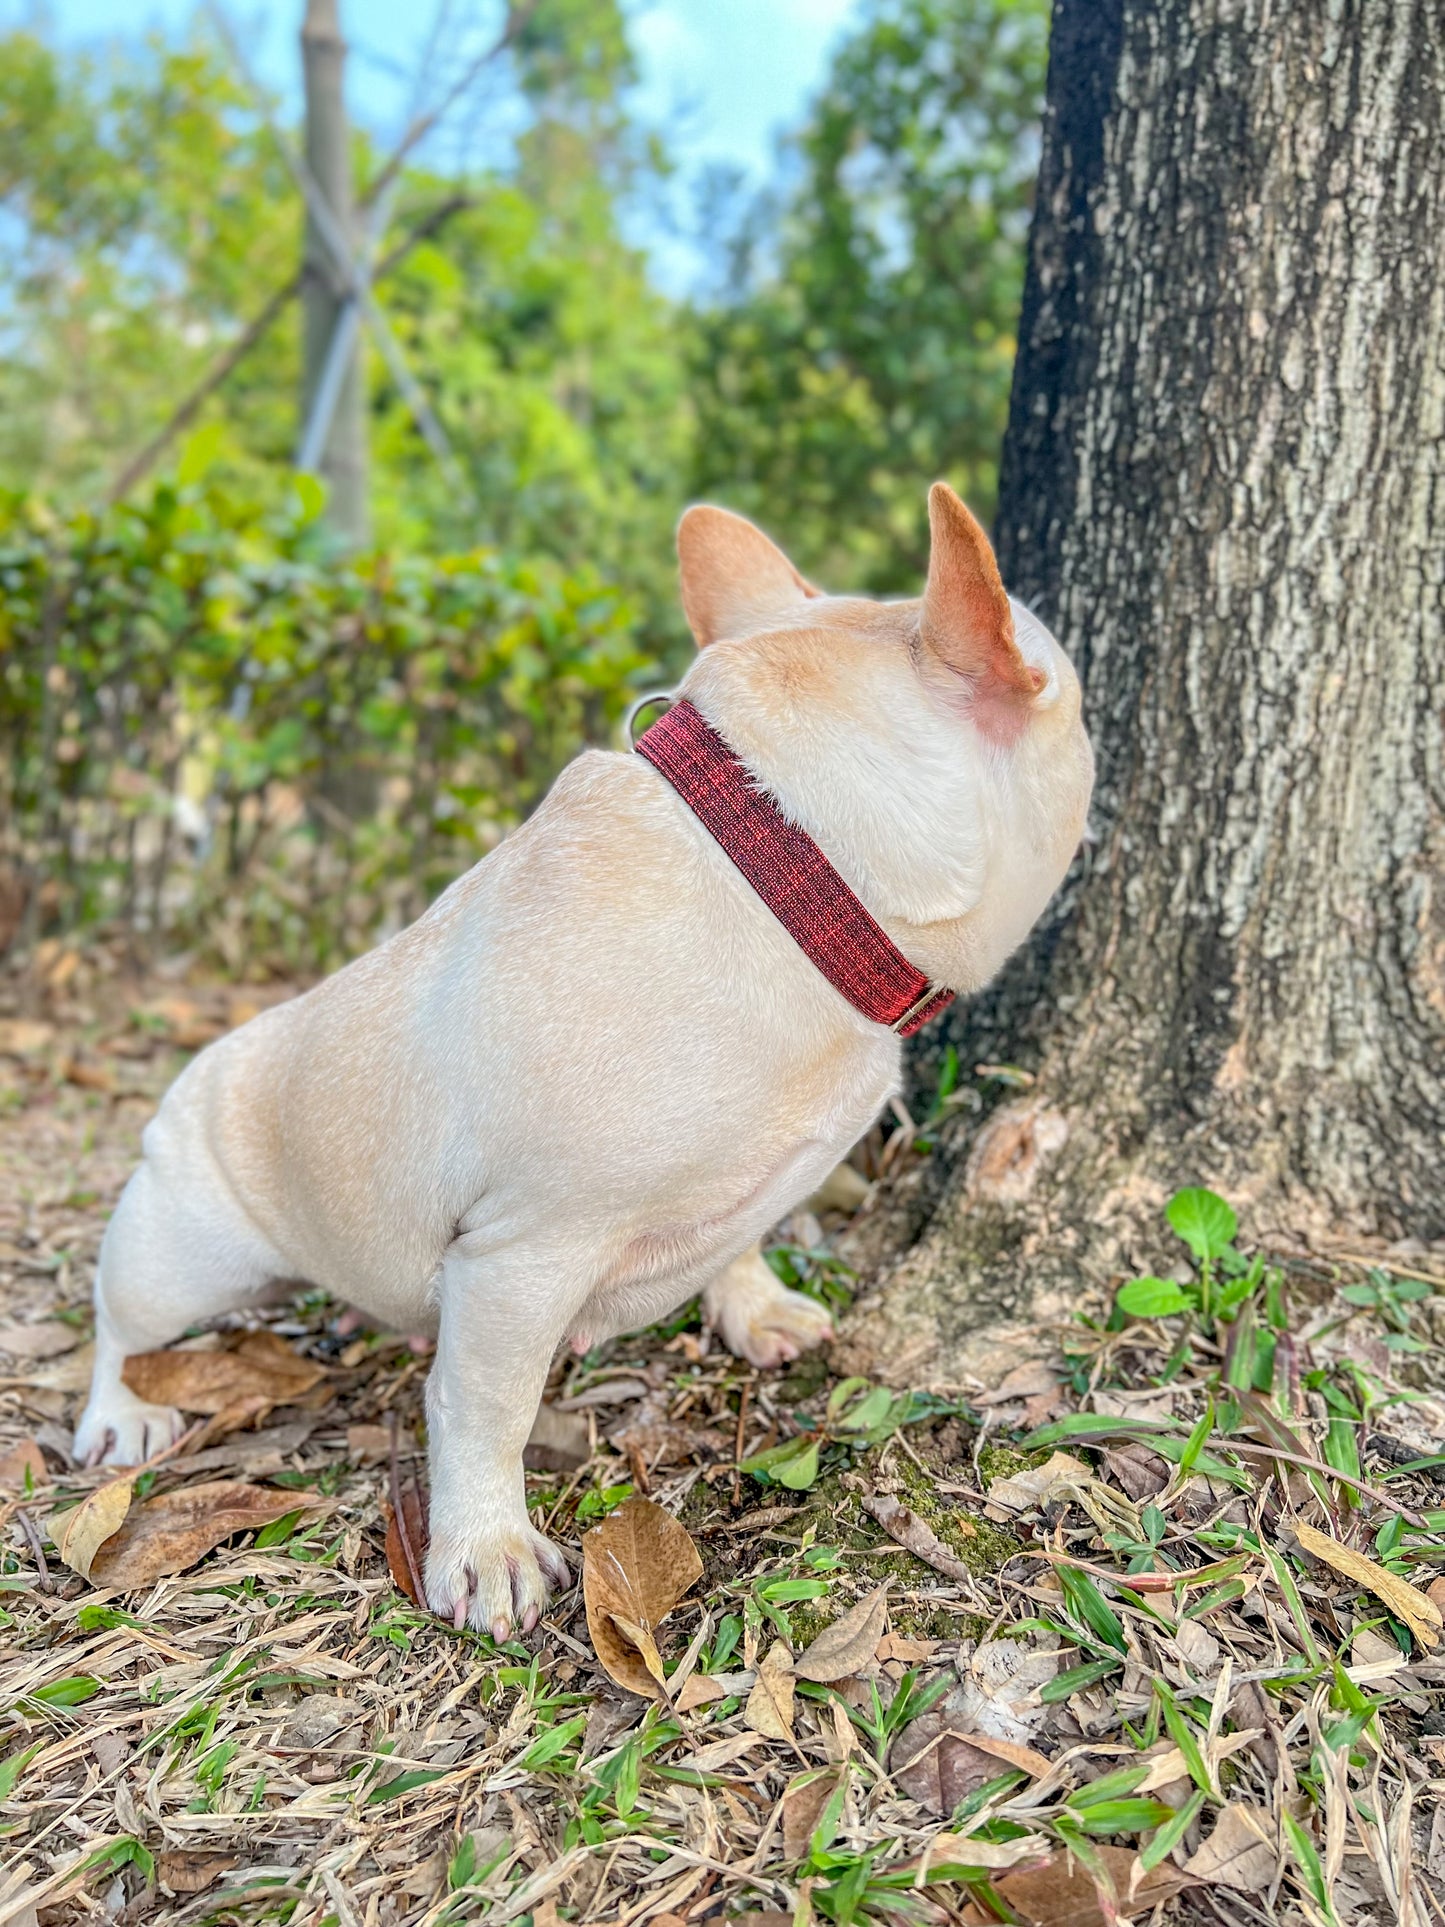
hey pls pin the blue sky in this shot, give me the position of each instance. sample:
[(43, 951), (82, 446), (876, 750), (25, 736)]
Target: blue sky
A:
[(719, 78)]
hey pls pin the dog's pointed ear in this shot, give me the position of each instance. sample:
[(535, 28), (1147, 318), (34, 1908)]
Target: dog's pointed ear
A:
[(734, 580), (967, 620)]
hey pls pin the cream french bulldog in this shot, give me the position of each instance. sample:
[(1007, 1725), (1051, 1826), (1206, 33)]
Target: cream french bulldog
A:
[(586, 1081)]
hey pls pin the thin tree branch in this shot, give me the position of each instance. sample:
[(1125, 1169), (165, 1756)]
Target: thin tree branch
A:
[(259, 325), (519, 12), (252, 333)]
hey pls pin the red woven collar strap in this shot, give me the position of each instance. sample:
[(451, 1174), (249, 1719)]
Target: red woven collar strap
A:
[(790, 873)]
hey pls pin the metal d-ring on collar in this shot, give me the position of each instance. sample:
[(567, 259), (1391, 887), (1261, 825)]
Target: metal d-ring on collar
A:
[(666, 697)]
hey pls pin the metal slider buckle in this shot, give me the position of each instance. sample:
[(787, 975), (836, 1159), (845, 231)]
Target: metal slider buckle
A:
[(919, 1003), (666, 697)]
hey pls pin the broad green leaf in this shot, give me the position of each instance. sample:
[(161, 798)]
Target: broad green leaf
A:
[(1151, 1297), (1203, 1220)]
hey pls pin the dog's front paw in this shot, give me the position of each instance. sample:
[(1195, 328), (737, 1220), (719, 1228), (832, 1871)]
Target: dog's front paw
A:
[(124, 1430), (760, 1319), (494, 1581)]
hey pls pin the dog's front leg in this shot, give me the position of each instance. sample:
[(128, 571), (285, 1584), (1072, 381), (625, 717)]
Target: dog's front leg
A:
[(501, 1322), (759, 1317)]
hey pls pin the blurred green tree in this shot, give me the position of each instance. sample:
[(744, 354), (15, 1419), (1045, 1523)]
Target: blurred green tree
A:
[(149, 216), (865, 338)]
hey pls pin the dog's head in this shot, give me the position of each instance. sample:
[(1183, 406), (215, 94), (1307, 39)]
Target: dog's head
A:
[(934, 748)]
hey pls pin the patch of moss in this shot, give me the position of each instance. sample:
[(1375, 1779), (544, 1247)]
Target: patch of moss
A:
[(806, 1377), (1003, 1461)]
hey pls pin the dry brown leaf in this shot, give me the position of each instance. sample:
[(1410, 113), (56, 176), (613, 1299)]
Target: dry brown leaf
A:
[(407, 1538), (641, 1637), (635, 1567), (559, 1441), (701, 1689), (171, 1533), (1238, 1852), (259, 1371), (23, 1461), (914, 1535), (1435, 1592), (1025, 1758), (960, 1850), (1040, 1485), (938, 1766), (89, 1077), (368, 1444), (48, 1339), (80, 1533), (1407, 1602), (185, 1872), (847, 1645), (1061, 1893), (907, 1652), (769, 1710), (804, 1799), (22, 1036)]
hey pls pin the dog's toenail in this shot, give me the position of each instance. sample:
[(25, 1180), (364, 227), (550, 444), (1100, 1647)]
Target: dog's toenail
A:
[(459, 1613), (500, 1628), (530, 1618)]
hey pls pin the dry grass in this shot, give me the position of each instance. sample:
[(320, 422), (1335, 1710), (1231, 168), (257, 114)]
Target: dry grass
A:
[(1090, 1649)]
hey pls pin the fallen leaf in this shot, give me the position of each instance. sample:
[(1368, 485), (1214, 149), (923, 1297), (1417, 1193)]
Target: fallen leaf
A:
[(48, 1339), (848, 1644), (1142, 1473), (259, 1371), (1062, 1893), (913, 1535), (635, 1567), (699, 1690), (1407, 1602), (22, 1036), (1239, 1852), (368, 1444), (1435, 1592), (89, 1077), (961, 1850), (938, 1764), (1024, 1381), (559, 1441), (803, 1802), (769, 1710), (171, 1533), (184, 1872), (407, 1538), (81, 1532), (1198, 1647), (1167, 1768), (1040, 1485), (22, 1461), (1026, 1758), (907, 1652)]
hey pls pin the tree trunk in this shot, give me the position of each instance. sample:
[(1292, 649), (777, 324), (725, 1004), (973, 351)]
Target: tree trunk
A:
[(328, 155), (1223, 487)]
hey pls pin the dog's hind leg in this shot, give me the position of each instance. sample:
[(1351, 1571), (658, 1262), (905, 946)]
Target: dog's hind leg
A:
[(759, 1317), (171, 1257)]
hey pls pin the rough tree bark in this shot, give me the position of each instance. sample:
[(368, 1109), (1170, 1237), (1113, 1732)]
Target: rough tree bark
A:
[(328, 155), (1224, 488)]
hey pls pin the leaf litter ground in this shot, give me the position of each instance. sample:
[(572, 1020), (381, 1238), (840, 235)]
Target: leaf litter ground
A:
[(1152, 1630)]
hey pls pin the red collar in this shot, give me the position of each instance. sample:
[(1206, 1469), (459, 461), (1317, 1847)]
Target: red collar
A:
[(790, 873)]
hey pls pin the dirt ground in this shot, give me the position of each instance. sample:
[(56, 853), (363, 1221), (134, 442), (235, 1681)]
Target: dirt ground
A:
[(1141, 1632)]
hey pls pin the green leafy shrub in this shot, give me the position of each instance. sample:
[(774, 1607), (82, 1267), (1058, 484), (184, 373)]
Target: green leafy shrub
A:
[(213, 734)]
